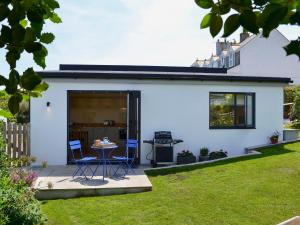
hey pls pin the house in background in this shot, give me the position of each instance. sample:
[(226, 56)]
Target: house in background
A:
[(205, 107), (254, 55)]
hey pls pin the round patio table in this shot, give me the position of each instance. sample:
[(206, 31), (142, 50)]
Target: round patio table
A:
[(103, 152)]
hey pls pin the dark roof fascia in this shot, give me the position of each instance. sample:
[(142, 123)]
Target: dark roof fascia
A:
[(78, 67), (156, 76)]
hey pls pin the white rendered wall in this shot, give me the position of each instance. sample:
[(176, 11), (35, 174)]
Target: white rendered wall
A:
[(182, 108), (266, 57)]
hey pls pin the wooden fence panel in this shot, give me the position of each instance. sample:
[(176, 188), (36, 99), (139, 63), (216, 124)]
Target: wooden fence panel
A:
[(17, 140)]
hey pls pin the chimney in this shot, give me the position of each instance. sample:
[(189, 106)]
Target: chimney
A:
[(243, 36), (221, 45)]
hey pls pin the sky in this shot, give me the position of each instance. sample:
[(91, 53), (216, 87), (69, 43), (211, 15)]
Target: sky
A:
[(129, 32)]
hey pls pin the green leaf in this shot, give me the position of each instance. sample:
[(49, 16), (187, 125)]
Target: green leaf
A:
[(293, 48), (35, 15), (26, 97), (206, 21), (35, 94), (15, 16), (260, 2), (246, 3), (6, 34), (37, 27), (28, 3), (2, 43), (33, 47), (6, 114), (41, 87), (12, 83), (12, 57), (30, 79), (216, 24), (224, 8), (23, 23), (14, 103), (52, 4), (18, 33), (272, 17), (29, 35), (295, 18), (248, 21), (47, 38), (40, 57), (3, 80), (231, 24), (14, 77), (205, 4), (4, 11), (55, 18)]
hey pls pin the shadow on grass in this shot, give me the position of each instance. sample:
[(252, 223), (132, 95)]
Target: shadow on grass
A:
[(265, 152)]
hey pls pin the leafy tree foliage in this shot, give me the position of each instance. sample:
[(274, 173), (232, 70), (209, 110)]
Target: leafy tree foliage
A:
[(22, 24), (252, 15), (290, 93), (21, 117), (295, 114)]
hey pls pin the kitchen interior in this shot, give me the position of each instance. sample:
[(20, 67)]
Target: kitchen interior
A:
[(95, 115)]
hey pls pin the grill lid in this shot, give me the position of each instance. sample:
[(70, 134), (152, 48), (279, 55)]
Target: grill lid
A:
[(163, 135)]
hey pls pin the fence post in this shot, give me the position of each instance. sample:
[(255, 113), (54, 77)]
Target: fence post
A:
[(28, 139), (24, 139), (14, 144), (19, 140), (5, 136), (9, 136)]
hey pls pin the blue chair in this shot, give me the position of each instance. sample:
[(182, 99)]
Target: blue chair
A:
[(127, 162), (82, 162)]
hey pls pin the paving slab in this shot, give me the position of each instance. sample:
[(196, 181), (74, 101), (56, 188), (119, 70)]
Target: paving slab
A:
[(65, 186)]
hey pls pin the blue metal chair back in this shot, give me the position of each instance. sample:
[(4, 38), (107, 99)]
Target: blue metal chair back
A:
[(131, 148), (75, 146)]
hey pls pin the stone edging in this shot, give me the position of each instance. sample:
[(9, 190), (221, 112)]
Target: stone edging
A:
[(249, 151), (253, 148), (204, 162)]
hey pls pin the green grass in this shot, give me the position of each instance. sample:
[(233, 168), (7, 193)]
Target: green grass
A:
[(261, 189)]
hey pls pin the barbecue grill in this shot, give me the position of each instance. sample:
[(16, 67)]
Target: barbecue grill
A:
[(162, 148)]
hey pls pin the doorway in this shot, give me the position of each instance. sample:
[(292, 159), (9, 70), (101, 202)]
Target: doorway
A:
[(97, 114)]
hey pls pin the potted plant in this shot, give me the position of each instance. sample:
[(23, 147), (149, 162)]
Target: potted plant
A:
[(185, 157), (217, 154), (274, 138), (203, 154)]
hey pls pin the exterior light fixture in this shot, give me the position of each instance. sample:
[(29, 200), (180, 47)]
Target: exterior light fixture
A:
[(48, 104)]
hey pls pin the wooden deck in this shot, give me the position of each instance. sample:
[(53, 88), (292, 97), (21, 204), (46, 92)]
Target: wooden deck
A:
[(65, 186)]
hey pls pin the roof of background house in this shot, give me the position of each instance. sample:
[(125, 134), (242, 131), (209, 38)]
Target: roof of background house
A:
[(152, 73), (235, 46)]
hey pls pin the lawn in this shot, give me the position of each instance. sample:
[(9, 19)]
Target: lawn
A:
[(262, 189)]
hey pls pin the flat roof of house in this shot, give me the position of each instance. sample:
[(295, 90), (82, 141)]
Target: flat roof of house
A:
[(130, 72)]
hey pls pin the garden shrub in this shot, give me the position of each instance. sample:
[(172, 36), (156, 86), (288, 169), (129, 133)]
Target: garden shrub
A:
[(217, 155), (17, 203), (185, 153), (290, 93)]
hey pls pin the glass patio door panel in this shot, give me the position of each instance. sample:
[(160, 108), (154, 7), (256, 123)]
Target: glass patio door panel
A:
[(133, 118)]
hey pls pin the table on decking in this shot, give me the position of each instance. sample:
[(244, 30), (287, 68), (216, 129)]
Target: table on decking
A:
[(103, 157)]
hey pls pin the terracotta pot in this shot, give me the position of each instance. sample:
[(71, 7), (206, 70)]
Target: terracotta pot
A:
[(274, 140)]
